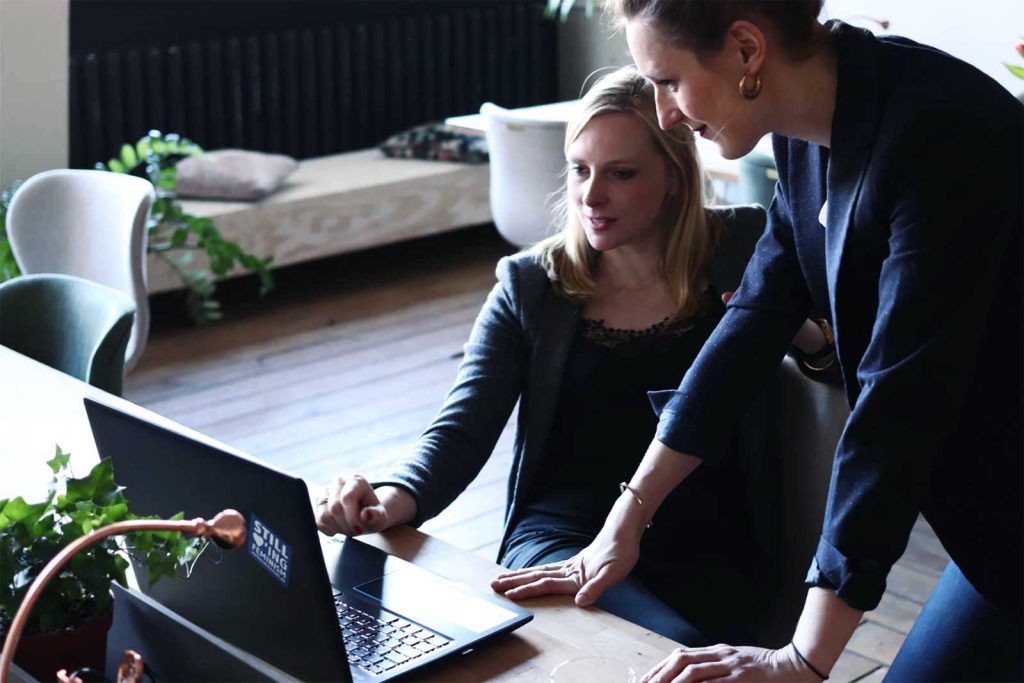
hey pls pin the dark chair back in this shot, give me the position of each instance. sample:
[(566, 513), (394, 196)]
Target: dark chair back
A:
[(787, 438), (75, 325)]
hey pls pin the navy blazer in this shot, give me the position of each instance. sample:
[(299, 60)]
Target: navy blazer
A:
[(916, 260)]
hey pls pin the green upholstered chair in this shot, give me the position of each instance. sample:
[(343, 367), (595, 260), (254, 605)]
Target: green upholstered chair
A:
[(77, 326)]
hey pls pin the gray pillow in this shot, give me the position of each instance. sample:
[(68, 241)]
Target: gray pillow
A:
[(234, 174)]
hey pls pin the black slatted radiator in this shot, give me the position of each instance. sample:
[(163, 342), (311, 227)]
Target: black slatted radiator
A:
[(304, 78)]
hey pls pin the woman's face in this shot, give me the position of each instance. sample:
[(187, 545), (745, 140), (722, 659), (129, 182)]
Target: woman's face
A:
[(704, 96), (618, 181)]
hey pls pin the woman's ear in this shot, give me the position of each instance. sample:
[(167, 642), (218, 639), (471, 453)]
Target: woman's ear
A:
[(746, 42)]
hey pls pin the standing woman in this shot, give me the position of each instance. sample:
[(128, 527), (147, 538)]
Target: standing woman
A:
[(897, 218)]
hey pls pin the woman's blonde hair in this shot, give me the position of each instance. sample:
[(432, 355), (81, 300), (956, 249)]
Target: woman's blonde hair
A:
[(688, 238)]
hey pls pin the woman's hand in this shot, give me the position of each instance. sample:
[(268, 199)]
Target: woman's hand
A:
[(351, 506), (586, 575), (734, 663)]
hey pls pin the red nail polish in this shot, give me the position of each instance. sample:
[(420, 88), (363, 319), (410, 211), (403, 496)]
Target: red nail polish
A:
[(358, 529)]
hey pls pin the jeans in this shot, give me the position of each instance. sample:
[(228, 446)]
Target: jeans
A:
[(693, 605), (961, 636)]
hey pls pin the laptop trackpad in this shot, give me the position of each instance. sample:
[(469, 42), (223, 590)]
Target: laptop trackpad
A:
[(421, 596)]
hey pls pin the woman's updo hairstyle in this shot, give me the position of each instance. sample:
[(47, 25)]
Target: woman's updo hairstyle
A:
[(700, 25)]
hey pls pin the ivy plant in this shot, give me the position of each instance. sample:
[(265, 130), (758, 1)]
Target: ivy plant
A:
[(8, 267), (174, 234), (562, 8), (31, 534)]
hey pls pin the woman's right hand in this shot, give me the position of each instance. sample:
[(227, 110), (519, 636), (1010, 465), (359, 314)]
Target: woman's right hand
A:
[(352, 507)]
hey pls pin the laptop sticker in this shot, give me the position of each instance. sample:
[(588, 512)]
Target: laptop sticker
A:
[(270, 550)]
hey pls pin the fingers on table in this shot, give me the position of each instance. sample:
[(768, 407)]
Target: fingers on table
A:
[(686, 664), (532, 581)]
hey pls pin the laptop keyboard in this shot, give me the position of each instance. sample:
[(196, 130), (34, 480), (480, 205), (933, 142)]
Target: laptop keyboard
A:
[(379, 642)]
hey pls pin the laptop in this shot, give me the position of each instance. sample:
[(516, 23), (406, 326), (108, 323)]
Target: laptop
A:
[(316, 609)]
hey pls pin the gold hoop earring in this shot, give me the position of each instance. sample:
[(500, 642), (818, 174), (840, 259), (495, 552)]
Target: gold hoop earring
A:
[(750, 91)]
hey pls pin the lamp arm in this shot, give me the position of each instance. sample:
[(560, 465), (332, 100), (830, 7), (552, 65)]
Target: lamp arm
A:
[(227, 529)]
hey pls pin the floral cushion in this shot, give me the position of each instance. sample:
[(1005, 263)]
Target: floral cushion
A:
[(436, 142)]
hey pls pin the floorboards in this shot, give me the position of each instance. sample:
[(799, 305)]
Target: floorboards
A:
[(342, 366)]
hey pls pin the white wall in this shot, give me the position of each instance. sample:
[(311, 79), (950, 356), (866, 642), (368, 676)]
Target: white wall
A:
[(982, 33), (33, 87)]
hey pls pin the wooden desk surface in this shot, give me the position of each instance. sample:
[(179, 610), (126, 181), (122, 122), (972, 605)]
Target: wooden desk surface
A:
[(40, 407)]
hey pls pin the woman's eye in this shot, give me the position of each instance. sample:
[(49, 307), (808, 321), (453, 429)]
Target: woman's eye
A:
[(623, 174), (579, 171), (667, 83)]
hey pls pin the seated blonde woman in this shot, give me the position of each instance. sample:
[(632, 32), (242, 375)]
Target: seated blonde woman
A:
[(579, 329)]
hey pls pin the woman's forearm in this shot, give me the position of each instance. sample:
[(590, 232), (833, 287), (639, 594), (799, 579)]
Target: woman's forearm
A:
[(824, 629), (660, 471)]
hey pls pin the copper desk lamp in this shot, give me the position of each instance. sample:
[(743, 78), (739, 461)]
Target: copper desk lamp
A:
[(226, 529)]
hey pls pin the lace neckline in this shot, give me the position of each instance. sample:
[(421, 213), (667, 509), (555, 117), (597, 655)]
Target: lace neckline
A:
[(596, 331)]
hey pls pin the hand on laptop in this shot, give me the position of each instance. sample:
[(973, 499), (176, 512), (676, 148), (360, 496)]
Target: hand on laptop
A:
[(351, 506)]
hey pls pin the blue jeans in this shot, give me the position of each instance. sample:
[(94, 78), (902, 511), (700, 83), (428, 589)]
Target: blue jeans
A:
[(695, 605), (961, 636)]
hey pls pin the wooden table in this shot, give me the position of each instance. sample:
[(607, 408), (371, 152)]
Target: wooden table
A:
[(715, 165), (40, 407)]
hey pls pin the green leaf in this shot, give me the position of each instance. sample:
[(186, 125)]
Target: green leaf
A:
[(1017, 71), (128, 157), (99, 481), (60, 460), (17, 510), (179, 237), (567, 8), (116, 166)]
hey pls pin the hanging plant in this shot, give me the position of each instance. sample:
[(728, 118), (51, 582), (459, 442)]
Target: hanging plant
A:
[(174, 234)]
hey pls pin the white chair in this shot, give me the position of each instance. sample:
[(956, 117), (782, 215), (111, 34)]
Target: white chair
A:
[(527, 165), (91, 224)]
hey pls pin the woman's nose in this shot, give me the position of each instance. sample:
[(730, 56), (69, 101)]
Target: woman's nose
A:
[(594, 194), (669, 115)]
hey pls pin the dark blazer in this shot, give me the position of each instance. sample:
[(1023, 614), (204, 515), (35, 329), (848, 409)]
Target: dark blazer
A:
[(517, 351), (918, 265)]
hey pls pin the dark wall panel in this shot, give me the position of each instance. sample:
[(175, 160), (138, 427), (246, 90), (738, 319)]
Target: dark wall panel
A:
[(300, 77)]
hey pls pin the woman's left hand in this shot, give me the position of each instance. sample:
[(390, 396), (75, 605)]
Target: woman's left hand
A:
[(725, 662)]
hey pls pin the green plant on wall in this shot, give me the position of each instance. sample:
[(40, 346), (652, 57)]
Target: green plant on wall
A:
[(174, 235), (1017, 71), (31, 534), (561, 8)]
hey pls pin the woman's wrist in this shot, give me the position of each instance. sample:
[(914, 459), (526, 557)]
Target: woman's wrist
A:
[(627, 519), (398, 503)]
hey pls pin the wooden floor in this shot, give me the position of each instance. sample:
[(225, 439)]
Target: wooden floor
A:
[(343, 365)]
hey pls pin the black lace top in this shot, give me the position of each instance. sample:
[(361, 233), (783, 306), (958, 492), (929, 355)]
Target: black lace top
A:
[(603, 425)]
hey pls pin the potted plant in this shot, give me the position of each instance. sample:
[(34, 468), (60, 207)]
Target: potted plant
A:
[(174, 234), (68, 625)]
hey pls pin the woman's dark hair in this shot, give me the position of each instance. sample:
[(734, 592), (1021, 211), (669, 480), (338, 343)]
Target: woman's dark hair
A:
[(700, 25)]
